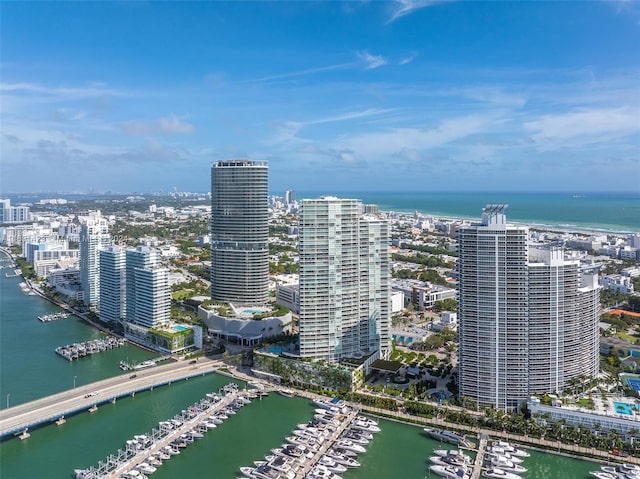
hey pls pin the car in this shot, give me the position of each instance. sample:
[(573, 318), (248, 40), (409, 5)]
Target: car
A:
[(91, 394), (193, 362), (133, 376)]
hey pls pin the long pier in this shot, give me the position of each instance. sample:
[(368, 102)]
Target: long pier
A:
[(187, 426), (18, 420), (344, 424), (477, 465)]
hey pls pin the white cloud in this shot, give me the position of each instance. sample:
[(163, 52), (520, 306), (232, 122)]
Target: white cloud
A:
[(408, 59), (371, 61), (405, 7), (308, 71), (583, 127), (170, 125)]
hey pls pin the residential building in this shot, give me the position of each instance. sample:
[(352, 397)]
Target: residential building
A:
[(618, 283), (13, 214), (528, 318), (239, 232), (112, 284), (94, 236), (152, 297), (344, 273), (141, 257)]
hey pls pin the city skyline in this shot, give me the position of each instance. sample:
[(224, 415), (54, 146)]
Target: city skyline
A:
[(379, 96)]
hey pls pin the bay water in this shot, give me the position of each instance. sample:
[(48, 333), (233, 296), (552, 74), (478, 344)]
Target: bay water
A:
[(29, 369)]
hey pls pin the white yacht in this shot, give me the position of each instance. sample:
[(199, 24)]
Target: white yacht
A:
[(603, 475), (447, 436), (342, 458), (496, 473), (146, 468), (497, 451), (450, 472), (331, 464), (350, 445), (510, 449), (449, 461), (365, 426), (506, 465), (329, 403), (453, 453), (322, 472)]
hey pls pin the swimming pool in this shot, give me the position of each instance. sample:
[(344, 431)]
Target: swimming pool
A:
[(624, 408), (180, 328), (252, 311)]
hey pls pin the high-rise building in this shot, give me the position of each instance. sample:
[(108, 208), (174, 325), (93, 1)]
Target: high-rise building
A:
[(239, 232), (94, 236), (112, 284), (344, 290), (141, 257), (290, 197), (152, 297), (13, 214), (528, 318)]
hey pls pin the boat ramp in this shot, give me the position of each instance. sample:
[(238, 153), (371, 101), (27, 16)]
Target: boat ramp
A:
[(75, 351)]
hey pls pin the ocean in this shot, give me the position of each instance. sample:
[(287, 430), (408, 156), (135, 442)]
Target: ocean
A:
[(610, 212)]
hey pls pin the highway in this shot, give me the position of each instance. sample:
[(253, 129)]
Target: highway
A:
[(18, 419)]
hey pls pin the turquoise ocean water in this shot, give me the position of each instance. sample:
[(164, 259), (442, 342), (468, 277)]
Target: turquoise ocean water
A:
[(618, 212)]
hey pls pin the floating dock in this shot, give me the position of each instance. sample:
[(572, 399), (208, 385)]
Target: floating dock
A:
[(75, 351), (45, 318)]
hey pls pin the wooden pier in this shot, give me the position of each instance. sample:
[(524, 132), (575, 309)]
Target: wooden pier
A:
[(477, 465)]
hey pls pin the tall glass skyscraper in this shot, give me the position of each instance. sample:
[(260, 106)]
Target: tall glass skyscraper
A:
[(94, 236), (112, 284), (239, 232), (344, 281), (528, 317)]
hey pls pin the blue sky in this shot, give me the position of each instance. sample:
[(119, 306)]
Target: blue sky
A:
[(337, 97)]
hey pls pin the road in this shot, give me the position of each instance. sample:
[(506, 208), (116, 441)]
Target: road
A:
[(48, 409)]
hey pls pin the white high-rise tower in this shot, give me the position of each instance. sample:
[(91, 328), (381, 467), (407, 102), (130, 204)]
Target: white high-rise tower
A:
[(344, 281), (528, 318), (94, 236)]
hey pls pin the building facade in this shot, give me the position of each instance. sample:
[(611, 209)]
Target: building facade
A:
[(112, 284), (141, 257), (528, 321), (239, 232), (152, 297), (344, 273), (94, 236)]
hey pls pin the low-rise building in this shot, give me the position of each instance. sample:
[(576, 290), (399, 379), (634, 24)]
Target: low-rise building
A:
[(618, 283)]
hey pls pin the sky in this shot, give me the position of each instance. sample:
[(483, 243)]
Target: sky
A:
[(409, 95)]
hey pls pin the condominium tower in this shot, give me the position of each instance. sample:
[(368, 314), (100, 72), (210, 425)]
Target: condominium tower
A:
[(112, 284), (239, 232), (344, 281), (528, 317), (94, 236)]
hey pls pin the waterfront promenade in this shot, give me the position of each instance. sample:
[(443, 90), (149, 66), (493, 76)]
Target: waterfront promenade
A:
[(20, 418)]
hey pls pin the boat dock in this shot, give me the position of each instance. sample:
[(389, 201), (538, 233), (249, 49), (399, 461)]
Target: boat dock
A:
[(140, 450), (309, 465), (45, 318), (75, 351), (477, 465)]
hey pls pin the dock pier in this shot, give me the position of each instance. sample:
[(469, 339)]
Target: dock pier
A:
[(353, 413), (477, 465)]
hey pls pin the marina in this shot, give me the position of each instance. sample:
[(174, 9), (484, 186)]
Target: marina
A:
[(146, 452), (45, 318), (75, 351), (324, 447)]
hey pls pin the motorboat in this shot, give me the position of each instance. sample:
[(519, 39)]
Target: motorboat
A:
[(146, 468), (510, 449), (288, 393), (496, 473), (603, 475), (342, 458), (450, 472), (172, 451), (332, 465), (497, 451), (506, 465), (350, 445), (330, 403), (322, 472), (449, 461), (453, 453), (447, 436), (365, 426)]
